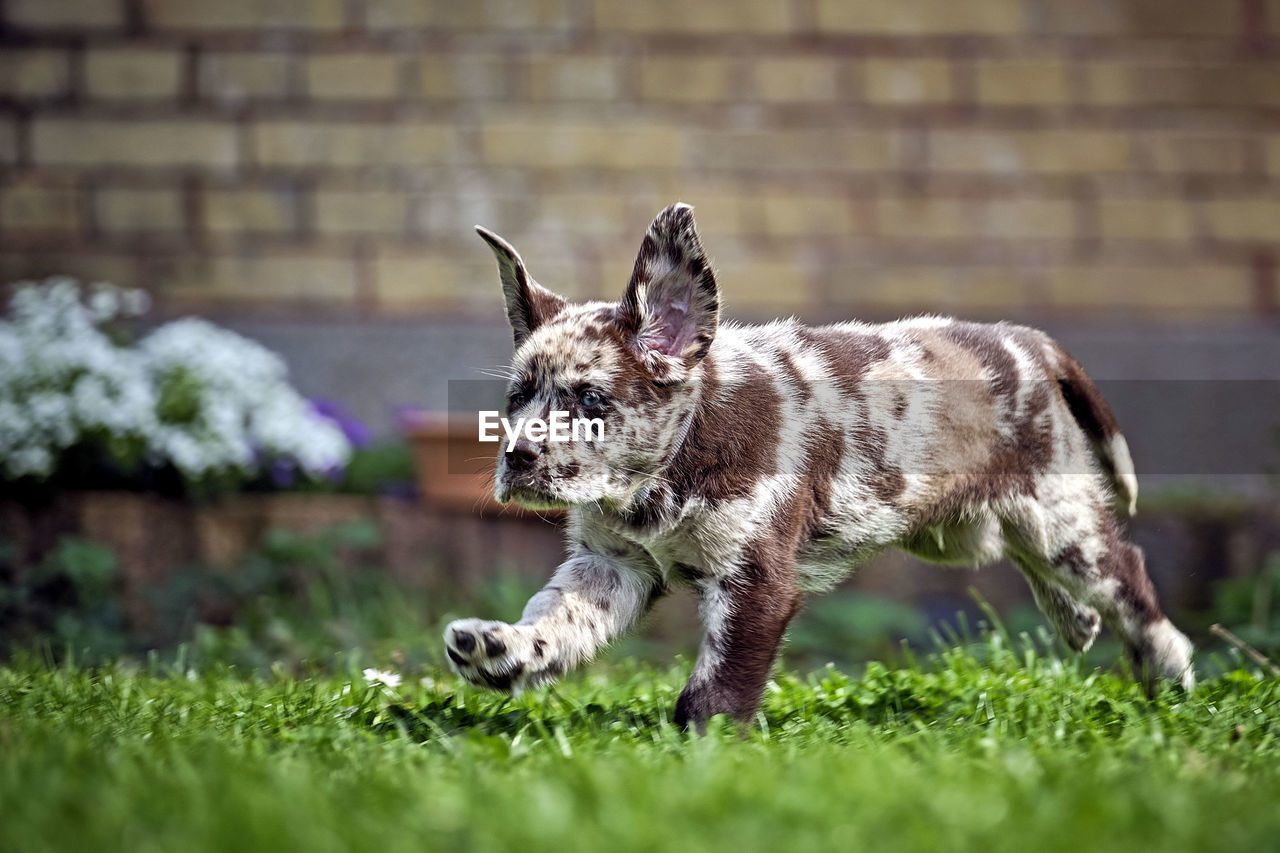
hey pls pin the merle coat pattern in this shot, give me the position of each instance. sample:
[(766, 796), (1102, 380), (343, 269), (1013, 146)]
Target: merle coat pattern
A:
[(760, 463)]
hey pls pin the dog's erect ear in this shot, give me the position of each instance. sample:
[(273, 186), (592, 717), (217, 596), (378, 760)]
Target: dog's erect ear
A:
[(672, 305), (529, 304)]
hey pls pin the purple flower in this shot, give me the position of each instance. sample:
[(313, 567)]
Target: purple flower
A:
[(356, 430), (283, 473), (410, 417)]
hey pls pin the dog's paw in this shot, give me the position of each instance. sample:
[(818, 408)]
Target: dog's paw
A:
[(497, 655)]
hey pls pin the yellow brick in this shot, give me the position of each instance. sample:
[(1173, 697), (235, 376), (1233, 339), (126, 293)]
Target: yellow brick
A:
[(1180, 152), (673, 78), (1273, 155), (138, 210), (796, 79), (1181, 289), (1145, 219), (348, 144), (725, 246), (547, 143), (1244, 219), (763, 287), (347, 211), (583, 213), (942, 218), (589, 78), (353, 76), (718, 211), (921, 17), (615, 273), (964, 291), (254, 277), (237, 76), (720, 207), (102, 142), (949, 218), (133, 73), (800, 149), (988, 290), (480, 15), (1110, 83), (57, 14), (1140, 18), (8, 141), (28, 265), (244, 14), (430, 279), (31, 206), (34, 73), (463, 76), (1011, 82), (553, 264), (1030, 219), (1014, 152), (750, 16), (793, 214), (1209, 84), (250, 210), (907, 81), (895, 290)]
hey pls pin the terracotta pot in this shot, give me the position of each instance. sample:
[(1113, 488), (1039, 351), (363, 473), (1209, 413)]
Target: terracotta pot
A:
[(455, 468)]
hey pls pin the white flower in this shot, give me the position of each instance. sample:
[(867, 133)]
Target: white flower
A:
[(104, 302), (135, 302), (382, 676), (190, 394)]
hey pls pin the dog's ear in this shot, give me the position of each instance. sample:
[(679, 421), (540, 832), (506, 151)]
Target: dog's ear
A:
[(672, 305), (529, 304)]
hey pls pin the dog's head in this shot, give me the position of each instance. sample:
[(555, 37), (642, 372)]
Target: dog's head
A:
[(631, 366)]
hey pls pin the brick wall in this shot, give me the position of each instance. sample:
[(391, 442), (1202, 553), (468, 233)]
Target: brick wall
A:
[(1024, 158)]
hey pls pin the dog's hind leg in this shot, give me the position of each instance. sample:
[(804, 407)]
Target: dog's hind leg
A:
[(1077, 624), (1080, 567), (1127, 601)]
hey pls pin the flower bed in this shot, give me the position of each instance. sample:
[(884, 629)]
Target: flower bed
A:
[(189, 406)]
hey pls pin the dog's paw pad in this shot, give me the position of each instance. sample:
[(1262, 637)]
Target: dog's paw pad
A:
[(493, 647), (486, 653), (464, 642)]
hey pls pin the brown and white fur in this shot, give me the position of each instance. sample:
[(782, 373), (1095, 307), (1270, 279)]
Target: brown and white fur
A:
[(760, 463)]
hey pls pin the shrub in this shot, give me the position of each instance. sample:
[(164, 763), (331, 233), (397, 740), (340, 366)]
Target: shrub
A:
[(79, 403)]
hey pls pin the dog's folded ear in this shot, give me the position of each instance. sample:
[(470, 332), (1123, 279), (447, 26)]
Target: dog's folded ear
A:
[(672, 305), (529, 304)]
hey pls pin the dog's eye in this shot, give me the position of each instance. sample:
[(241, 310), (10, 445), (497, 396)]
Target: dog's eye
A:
[(516, 399), (590, 398)]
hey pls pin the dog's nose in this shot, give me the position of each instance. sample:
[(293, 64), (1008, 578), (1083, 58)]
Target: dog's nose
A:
[(522, 456)]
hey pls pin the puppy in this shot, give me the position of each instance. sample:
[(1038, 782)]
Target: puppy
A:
[(761, 463)]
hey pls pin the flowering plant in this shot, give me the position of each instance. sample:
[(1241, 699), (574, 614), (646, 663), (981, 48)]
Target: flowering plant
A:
[(189, 397)]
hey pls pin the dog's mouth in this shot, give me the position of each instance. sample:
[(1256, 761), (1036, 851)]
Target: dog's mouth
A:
[(528, 496)]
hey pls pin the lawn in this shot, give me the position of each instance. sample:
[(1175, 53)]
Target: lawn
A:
[(977, 748)]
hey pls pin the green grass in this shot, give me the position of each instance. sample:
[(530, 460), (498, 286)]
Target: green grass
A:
[(977, 749)]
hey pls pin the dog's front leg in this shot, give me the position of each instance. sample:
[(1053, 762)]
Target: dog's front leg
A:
[(746, 615), (589, 602)]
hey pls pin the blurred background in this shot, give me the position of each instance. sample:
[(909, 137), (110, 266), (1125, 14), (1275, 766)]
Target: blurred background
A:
[(306, 173)]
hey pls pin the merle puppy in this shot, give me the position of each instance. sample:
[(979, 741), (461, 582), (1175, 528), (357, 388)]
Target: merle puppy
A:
[(760, 463)]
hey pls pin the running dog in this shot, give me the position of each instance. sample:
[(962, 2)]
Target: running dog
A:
[(758, 464)]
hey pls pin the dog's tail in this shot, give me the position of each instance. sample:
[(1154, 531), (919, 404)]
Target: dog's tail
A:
[(1095, 417)]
